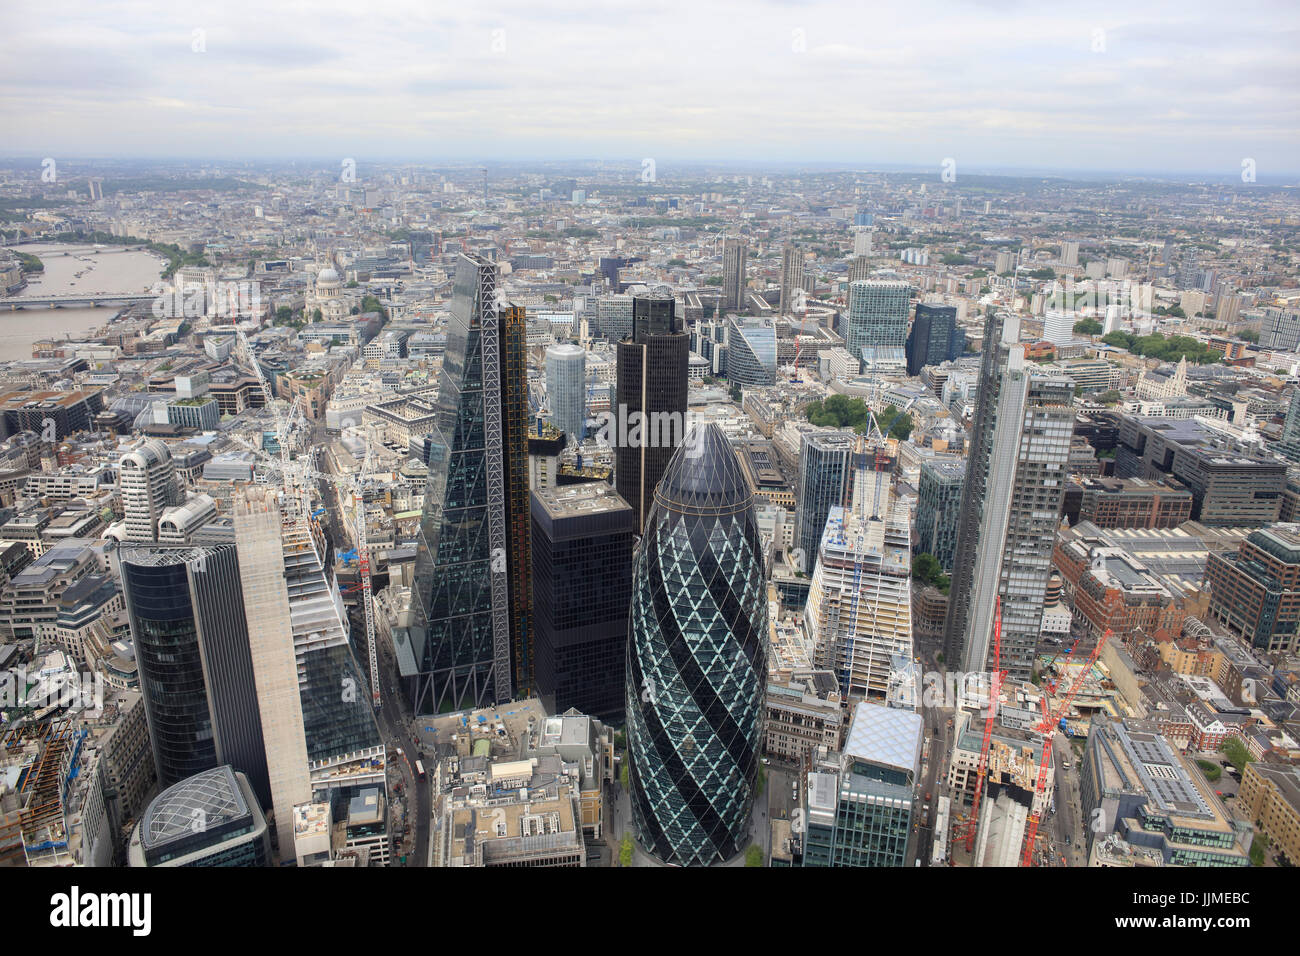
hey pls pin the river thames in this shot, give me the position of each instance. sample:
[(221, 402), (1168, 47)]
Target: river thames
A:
[(83, 269)]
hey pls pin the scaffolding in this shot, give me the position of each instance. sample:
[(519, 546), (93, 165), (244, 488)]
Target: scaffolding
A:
[(43, 790)]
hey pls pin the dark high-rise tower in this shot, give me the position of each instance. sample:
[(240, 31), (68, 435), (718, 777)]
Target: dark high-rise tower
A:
[(1015, 479), (697, 658), (935, 337), (651, 391), (196, 668), (466, 641), (582, 584)]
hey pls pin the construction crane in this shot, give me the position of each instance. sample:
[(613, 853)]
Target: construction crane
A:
[(363, 564), (267, 397), (283, 423), (1048, 729), (982, 767)]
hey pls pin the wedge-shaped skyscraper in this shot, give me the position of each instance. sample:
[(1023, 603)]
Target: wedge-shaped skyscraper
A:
[(465, 641)]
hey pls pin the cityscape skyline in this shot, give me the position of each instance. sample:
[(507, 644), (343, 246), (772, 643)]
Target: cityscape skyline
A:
[(627, 436)]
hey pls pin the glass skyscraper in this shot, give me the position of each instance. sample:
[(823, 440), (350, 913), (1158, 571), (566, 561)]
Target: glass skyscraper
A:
[(582, 585), (466, 641), (319, 728), (1289, 446), (566, 389), (825, 473), (697, 659), (653, 372), (751, 353), (935, 337), (938, 506), (614, 317), (877, 315), (196, 668)]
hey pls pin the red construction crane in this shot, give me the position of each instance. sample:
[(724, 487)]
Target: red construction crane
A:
[(982, 768), (1048, 729)]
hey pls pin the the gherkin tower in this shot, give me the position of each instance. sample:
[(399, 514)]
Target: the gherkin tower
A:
[(697, 658)]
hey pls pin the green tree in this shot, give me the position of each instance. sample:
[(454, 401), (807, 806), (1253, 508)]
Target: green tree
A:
[(625, 851), (839, 411), (371, 304), (754, 855), (1088, 327), (1236, 753), (926, 568), (902, 427), (1259, 849)]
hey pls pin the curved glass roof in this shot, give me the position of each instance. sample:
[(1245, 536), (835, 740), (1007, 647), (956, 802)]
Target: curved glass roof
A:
[(197, 803), (704, 474)]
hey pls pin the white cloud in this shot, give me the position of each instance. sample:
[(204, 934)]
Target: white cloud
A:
[(999, 82)]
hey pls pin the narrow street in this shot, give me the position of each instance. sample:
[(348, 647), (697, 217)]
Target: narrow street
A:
[(396, 723)]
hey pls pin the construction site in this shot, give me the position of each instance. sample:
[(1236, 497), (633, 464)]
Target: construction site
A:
[(51, 807), (1001, 776)]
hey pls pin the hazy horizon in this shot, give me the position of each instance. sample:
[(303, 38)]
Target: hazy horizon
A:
[(737, 166)]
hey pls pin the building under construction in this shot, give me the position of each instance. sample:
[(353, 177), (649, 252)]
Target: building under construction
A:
[(52, 797)]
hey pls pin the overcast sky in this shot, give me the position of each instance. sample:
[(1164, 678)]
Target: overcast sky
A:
[(1178, 86)]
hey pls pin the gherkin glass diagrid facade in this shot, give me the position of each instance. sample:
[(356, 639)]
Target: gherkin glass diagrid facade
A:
[(697, 659)]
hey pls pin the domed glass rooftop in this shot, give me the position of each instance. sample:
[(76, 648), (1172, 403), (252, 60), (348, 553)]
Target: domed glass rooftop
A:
[(704, 474), (197, 803)]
